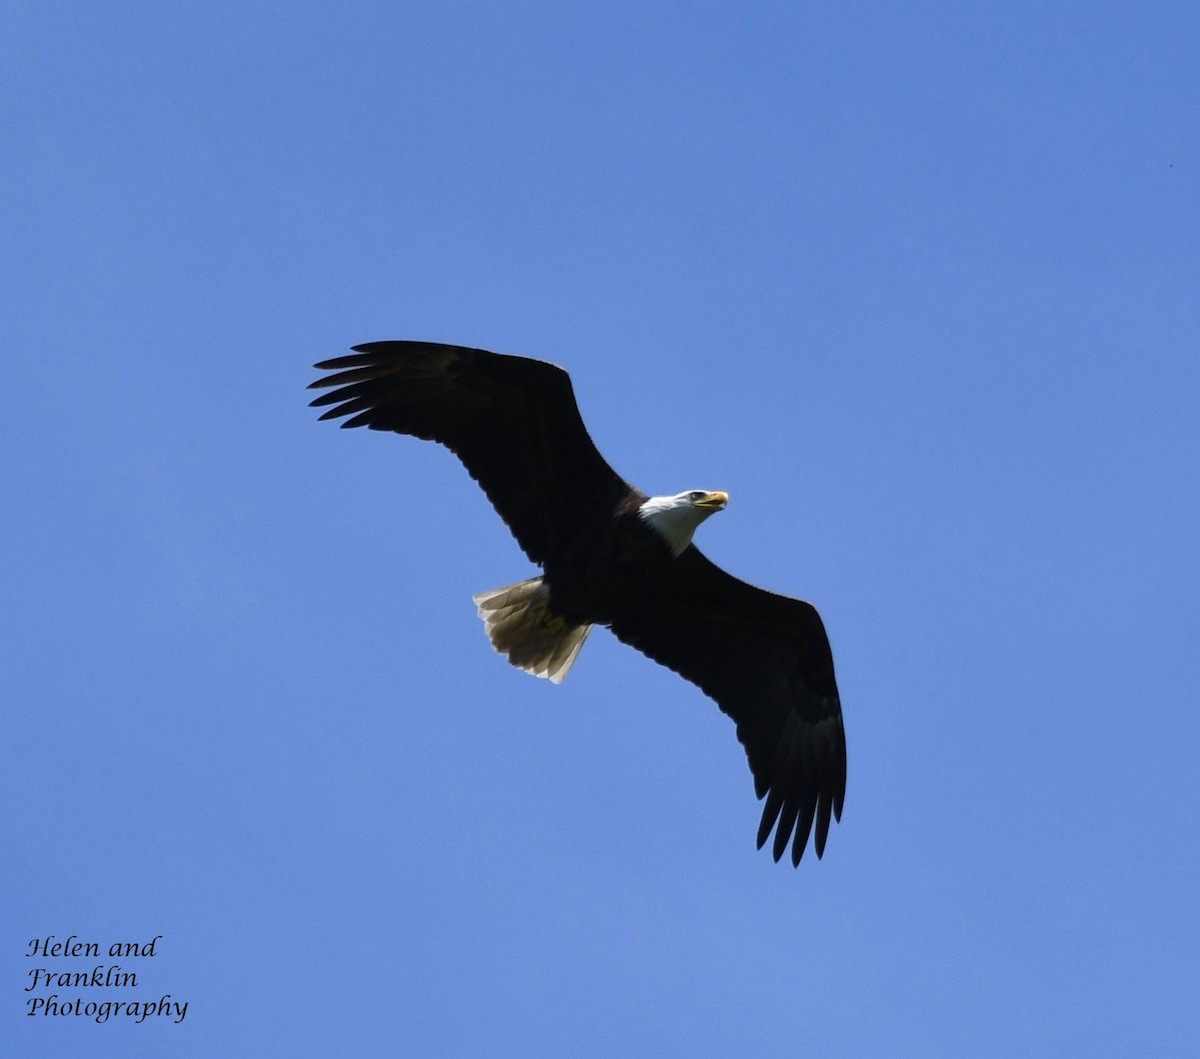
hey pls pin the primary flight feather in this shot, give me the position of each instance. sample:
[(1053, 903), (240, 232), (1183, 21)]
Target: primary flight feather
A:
[(613, 556)]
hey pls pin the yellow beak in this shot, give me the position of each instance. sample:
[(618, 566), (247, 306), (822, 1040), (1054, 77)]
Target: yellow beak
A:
[(713, 502)]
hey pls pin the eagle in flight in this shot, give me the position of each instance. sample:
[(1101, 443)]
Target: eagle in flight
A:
[(611, 555)]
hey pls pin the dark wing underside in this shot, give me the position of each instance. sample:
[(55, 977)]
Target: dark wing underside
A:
[(765, 659), (512, 421)]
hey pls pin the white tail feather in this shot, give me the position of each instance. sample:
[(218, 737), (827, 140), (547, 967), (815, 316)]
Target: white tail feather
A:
[(524, 629)]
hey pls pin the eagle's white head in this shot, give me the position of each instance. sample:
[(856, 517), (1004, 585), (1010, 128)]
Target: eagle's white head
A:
[(676, 517)]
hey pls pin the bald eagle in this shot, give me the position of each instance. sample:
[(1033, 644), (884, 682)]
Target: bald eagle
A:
[(613, 556)]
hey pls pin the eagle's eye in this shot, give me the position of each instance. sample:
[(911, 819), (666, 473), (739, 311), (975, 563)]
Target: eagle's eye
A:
[(696, 494)]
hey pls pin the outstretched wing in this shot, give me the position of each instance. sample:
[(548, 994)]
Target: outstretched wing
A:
[(766, 661), (512, 421)]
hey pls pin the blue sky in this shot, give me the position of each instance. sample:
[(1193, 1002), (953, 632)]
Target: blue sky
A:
[(916, 284)]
